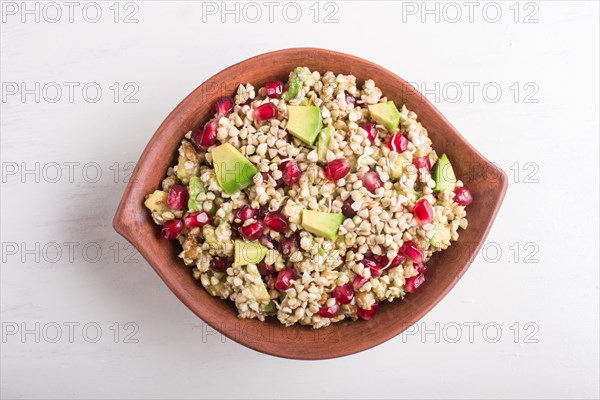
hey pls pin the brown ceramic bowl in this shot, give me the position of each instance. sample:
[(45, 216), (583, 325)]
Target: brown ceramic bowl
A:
[(132, 220)]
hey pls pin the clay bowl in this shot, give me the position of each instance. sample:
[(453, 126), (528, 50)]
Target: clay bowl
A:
[(486, 182)]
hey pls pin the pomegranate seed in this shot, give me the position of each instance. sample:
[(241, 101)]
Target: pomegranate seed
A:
[(399, 259), (284, 279), (263, 211), (245, 213), (290, 244), (337, 169), (266, 269), (422, 162), (219, 264), (265, 112), (398, 142), (224, 106), (290, 172), (358, 282), (252, 231), (197, 219), (277, 222), (177, 197), (203, 138), (347, 209), (371, 129), (329, 311), (274, 89), (462, 196), (423, 211), (413, 283), (420, 267), (373, 264), (368, 314), (171, 229), (371, 181), (350, 99), (343, 294), (410, 250)]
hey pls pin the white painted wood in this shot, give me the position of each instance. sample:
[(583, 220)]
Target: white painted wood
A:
[(165, 55)]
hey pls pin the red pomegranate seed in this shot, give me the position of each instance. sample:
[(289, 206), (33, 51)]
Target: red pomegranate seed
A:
[(399, 259), (197, 219), (422, 162), (177, 197), (410, 250), (398, 142), (171, 229), (266, 269), (245, 213), (420, 267), (265, 112), (329, 311), (277, 222), (368, 314), (358, 282), (343, 294), (347, 209), (371, 129), (263, 211), (350, 100), (413, 283), (252, 231), (290, 172), (373, 264), (290, 244), (337, 169), (371, 181), (224, 106), (462, 196), (219, 264), (424, 211), (274, 89), (284, 279), (203, 138)]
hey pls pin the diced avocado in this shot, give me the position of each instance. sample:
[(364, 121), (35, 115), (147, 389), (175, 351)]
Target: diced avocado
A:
[(444, 175), (210, 237), (248, 253), (322, 223), (234, 172), (195, 188), (183, 174), (398, 166), (295, 82), (305, 123), (258, 289), (386, 114), (157, 201), (441, 236), (323, 144)]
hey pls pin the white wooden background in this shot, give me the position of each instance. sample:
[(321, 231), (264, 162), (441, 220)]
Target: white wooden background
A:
[(85, 317)]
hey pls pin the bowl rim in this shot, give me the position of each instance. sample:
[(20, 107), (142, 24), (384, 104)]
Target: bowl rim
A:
[(128, 207)]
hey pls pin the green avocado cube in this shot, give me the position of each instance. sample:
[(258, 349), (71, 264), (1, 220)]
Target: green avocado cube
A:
[(248, 253), (386, 114), (195, 188), (234, 172), (323, 143), (305, 123), (444, 175), (322, 223)]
